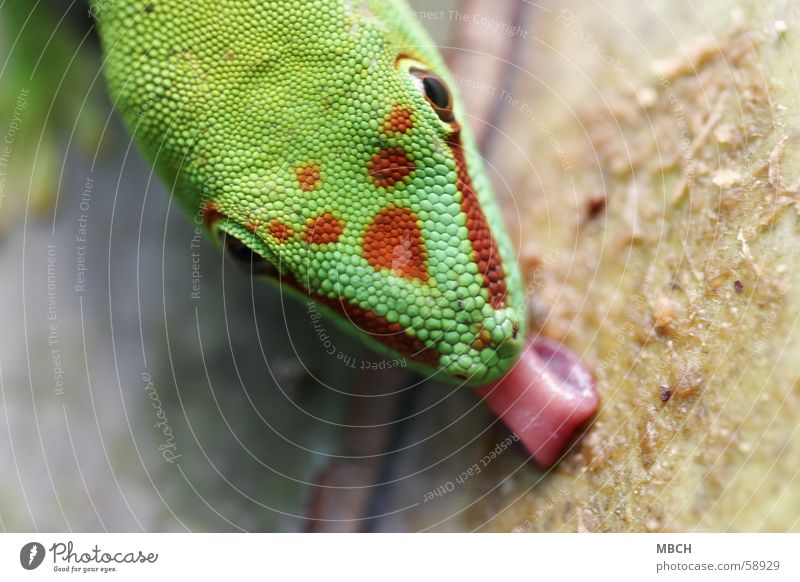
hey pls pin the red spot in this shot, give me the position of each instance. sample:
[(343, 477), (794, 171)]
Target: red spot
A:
[(399, 121), (484, 247), (309, 176), (390, 166), (393, 241), (323, 230), (279, 231), (210, 213)]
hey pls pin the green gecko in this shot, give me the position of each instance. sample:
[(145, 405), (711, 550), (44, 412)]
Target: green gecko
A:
[(324, 143)]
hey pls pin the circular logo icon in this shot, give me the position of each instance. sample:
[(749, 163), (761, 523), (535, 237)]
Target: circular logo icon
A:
[(31, 555)]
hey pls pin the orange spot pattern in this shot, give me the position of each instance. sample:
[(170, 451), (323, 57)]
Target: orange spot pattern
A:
[(390, 166), (484, 246), (309, 176), (279, 231), (394, 241), (323, 230), (399, 120)]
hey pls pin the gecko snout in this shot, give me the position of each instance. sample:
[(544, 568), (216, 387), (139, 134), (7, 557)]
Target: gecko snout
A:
[(493, 347)]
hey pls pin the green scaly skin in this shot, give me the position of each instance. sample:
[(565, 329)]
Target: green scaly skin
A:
[(305, 131)]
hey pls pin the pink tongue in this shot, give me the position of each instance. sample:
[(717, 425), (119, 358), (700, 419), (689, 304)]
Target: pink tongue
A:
[(544, 399)]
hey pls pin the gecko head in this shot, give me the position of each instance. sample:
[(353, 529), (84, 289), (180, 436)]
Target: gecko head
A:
[(357, 184)]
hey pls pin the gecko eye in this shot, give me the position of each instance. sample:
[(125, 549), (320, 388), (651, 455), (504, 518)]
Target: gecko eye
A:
[(244, 258), (436, 93)]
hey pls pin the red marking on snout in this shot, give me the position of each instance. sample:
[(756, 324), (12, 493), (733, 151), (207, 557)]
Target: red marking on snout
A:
[(484, 247), (393, 241)]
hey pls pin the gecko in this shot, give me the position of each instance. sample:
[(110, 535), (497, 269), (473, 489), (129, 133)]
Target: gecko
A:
[(325, 146)]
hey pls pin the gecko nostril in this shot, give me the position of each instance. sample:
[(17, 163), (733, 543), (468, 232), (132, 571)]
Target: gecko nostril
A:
[(483, 339)]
